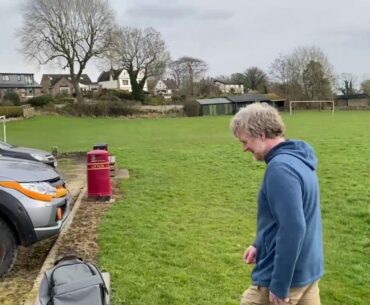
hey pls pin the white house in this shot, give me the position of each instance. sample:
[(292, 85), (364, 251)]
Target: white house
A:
[(119, 79), (229, 87), (165, 87)]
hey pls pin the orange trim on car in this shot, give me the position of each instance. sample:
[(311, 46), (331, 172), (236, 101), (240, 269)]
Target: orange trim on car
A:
[(60, 192), (34, 195), (59, 214)]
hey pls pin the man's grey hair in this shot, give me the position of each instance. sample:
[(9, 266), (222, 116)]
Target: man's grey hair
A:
[(256, 119)]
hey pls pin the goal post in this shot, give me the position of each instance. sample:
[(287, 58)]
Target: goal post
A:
[(4, 127), (320, 102)]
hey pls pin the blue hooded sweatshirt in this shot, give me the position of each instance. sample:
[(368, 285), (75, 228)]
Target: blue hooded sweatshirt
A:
[(289, 236)]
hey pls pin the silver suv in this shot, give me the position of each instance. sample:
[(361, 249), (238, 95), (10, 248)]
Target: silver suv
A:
[(34, 205)]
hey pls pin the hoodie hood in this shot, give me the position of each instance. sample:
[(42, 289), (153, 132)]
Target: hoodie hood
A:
[(299, 149)]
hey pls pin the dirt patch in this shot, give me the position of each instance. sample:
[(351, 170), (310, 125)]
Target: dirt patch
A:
[(81, 237)]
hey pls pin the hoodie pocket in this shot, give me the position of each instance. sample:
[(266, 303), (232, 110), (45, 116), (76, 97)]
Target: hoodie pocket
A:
[(269, 241)]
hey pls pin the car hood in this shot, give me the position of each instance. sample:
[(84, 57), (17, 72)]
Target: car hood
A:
[(25, 171), (30, 150)]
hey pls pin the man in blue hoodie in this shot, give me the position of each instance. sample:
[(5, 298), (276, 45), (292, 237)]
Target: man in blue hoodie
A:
[(288, 249)]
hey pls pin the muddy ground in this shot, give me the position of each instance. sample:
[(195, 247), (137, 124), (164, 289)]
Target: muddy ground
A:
[(81, 238)]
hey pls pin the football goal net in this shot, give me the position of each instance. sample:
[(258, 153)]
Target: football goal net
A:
[(319, 105)]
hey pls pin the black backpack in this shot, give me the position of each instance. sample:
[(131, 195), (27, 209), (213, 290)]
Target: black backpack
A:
[(73, 281)]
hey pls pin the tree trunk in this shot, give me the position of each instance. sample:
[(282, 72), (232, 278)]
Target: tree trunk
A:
[(137, 88), (80, 98)]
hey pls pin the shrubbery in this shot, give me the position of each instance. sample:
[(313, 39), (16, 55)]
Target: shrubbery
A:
[(121, 94), (154, 100), (11, 111), (12, 97), (101, 108), (191, 108), (39, 101)]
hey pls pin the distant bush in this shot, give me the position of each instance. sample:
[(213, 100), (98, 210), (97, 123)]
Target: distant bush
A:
[(191, 108), (154, 100), (12, 97), (11, 111), (42, 100), (100, 108), (7, 103), (121, 94), (63, 100)]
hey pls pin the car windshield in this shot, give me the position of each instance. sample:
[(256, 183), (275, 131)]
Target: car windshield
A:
[(4, 145)]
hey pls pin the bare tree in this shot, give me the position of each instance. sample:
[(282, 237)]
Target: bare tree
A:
[(255, 79), (288, 70), (315, 84), (68, 31), (193, 69), (346, 84), (140, 51), (177, 71), (365, 86)]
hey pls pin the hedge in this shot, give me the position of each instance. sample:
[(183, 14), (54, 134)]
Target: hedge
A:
[(11, 111)]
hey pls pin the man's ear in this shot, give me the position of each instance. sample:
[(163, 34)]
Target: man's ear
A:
[(263, 136)]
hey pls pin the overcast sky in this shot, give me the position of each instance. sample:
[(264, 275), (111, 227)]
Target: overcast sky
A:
[(230, 35)]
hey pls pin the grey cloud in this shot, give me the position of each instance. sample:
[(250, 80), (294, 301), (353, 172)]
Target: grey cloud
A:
[(176, 12)]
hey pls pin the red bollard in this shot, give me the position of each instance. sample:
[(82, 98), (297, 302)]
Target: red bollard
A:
[(98, 175)]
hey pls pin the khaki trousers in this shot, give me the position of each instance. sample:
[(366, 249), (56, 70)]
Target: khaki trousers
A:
[(307, 295)]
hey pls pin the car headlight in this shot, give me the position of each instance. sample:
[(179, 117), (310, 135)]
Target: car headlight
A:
[(40, 157), (40, 187), (36, 190)]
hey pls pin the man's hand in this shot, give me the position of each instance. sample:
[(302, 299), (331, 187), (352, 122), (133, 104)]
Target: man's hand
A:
[(250, 255), (276, 300)]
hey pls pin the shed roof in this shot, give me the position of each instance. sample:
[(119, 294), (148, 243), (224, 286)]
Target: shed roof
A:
[(249, 97), (351, 96), (213, 101)]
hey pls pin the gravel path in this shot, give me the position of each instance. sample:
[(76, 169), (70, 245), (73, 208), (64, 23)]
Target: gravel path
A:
[(15, 287)]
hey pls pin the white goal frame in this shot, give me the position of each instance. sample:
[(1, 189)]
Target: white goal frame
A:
[(291, 103), (4, 127)]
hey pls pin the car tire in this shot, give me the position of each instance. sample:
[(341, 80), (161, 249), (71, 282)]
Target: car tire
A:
[(8, 248)]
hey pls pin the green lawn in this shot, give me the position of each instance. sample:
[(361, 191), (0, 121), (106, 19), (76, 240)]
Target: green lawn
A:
[(190, 203)]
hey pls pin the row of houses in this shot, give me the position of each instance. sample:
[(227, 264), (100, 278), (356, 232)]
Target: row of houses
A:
[(26, 86)]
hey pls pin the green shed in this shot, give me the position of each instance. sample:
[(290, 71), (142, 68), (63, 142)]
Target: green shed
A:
[(215, 106)]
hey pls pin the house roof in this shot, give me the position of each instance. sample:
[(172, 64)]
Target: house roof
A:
[(227, 82), (351, 96), (213, 101), (54, 78), (170, 83), (105, 75)]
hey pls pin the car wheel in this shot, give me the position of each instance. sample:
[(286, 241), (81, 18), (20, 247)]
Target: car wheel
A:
[(8, 248)]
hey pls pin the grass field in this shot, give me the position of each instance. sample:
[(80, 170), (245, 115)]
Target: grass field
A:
[(190, 203)]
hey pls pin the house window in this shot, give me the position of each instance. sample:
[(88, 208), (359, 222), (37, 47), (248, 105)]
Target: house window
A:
[(6, 77), (124, 82), (29, 79), (64, 90), (18, 77)]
